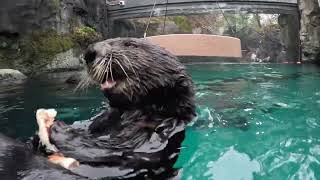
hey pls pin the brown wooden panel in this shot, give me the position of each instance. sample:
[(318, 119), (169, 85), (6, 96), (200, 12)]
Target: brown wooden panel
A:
[(199, 45)]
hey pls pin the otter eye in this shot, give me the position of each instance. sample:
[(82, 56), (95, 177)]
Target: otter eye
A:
[(130, 44)]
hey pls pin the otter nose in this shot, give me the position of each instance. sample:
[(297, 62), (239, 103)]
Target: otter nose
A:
[(90, 56)]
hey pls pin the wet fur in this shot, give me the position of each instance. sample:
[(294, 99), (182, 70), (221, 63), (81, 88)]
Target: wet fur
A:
[(149, 109), (18, 161)]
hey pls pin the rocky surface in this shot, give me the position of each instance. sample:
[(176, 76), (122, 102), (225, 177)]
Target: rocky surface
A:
[(310, 30), (68, 60), (38, 36), (19, 17), (9, 75), (289, 33)]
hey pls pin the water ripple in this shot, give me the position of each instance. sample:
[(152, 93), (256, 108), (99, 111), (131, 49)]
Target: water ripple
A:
[(240, 163)]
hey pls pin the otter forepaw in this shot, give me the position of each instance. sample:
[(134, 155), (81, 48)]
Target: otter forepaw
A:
[(45, 119)]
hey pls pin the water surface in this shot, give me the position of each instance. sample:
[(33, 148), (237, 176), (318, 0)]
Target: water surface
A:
[(254, 121)]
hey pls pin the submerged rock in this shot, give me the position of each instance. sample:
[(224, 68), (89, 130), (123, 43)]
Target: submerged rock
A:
[(11, 75)]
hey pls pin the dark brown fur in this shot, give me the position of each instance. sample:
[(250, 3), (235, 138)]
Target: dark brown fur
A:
[(149, 109), (157, 84)]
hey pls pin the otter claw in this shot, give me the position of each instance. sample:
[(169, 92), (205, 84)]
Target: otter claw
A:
[(50, 149)]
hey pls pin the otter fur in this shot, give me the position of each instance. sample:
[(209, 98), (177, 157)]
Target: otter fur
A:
[(151, 100)]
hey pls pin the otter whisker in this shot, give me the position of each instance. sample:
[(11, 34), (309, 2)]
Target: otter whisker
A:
[(129, 62), (121, 67), (97, 68), (95, 71), (84, 83), (102, 71), (110, 66), (80, 85), (99, 71), (127, 59), (105, 70), (111, 70), (109, 62)]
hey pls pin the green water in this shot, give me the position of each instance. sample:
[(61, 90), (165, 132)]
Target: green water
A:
[(254, 121)]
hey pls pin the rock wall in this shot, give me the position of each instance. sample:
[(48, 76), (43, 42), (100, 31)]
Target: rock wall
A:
[(310, 30), (289, 34), (20, 17), (33, 32)]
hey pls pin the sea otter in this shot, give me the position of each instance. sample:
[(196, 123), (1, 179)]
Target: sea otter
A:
[(151, 100)]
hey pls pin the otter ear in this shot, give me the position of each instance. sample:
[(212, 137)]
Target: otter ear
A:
[(90, 56)]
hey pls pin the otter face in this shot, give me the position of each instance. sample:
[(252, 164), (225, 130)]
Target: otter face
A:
[(128, 69)]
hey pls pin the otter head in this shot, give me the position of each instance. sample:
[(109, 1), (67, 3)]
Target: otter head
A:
[(134, 73)]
